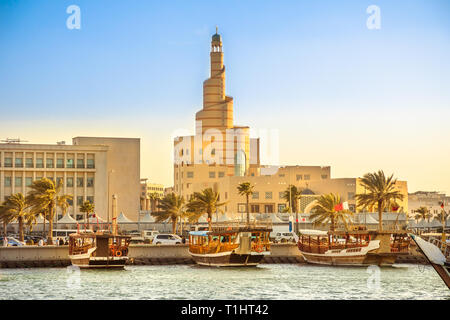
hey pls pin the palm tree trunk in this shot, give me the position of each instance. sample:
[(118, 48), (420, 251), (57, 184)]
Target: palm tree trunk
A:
[(20, 218), (209, 221), (380, 217), (248, 212), (174, 226), (43, 230), (5, 226), (332, 224), (50, 226)]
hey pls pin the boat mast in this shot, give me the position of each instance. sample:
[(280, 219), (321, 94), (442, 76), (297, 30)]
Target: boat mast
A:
[(114, 214)]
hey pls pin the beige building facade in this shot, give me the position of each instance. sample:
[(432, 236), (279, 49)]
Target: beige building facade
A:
[(92, 169), (221, 156), (148, 188)]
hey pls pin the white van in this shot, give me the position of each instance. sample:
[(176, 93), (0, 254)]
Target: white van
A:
[(149, 234), (284, 237)]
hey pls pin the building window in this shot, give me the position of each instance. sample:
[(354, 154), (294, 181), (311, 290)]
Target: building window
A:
[(351, 196), (69, 163), (28, 181), (79, 216), (254, 208), (79, 200), (221, 174), (242, 207), (281, 195), (59, 181), (281, 207), (7, 181), (212, 174), (19, 163), (80, 163), (39, 163), (29, 162), (90, 182), (69, 182), (307, 177), (268, 194), (299, 177), (49, 163), (268, 208), (90, 164), (60, 163), (255, 195), (79, 182), (70, 201), (8, 162), (281, 175), (190, 174), (324, 176), (18, 182), (90, 199)]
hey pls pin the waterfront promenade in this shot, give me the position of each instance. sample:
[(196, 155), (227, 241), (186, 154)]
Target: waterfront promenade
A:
[(147, 254)]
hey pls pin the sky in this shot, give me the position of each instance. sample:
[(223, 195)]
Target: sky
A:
[(336, 92)]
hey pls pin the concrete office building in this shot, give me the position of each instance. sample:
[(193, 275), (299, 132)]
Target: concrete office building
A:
[(92, 168)]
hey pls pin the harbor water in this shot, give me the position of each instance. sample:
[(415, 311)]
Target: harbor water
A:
[(267, 281)]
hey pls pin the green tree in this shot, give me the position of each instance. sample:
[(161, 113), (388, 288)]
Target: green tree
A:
[(292, 195), (381, 190), (246, 189), (324, 211), (172, 208), (5, 217), (205, 202), (87, 208), (16, 206), (42, 199)]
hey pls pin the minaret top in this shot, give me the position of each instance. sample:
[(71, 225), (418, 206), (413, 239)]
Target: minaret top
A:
[(216, 39)]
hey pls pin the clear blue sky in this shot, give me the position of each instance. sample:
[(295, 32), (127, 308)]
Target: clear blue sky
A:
[(337, 92)]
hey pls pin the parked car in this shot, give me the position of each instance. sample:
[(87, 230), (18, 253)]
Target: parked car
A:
[(284, 237), (12, 242), (167, 239)]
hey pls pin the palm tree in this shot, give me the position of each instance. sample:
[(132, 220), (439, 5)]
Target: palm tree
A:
[(246, 189), (203, 202), (172, 208), (324, 211), (87, 208), (62, 202), (381, 191), (42, 199), (16, 206), (292, 195), (5, 217)]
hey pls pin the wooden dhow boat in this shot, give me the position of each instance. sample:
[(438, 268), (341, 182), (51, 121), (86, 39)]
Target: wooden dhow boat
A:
[(100, 249), (352, 248), (437, 254), (231, 244)]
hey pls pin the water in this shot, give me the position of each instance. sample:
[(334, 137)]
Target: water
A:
[(267, 281)]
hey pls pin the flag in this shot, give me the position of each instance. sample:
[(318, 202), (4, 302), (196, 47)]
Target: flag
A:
[(339, 207), (303, 219), (442, 205), (394, 208)]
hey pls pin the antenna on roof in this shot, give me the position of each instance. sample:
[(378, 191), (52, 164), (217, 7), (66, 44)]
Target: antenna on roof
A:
[(13, 141)]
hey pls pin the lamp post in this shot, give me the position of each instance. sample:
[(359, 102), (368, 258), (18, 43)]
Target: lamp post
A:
[(109, 179)]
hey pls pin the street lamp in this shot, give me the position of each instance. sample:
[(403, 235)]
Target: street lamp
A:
[(109, 179)]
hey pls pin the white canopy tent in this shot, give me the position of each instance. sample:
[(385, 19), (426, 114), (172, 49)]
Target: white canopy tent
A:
[(123, 219), (67, 219), (147, 218), (223, 217)]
